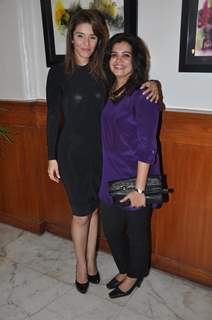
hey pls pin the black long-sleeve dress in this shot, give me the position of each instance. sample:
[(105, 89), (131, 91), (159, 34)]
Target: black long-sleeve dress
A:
[(77, 147)]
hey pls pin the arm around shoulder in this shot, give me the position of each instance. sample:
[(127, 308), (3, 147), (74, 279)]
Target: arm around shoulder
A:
[(152, 91)]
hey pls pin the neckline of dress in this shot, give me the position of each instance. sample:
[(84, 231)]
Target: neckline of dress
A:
[(82, 66)]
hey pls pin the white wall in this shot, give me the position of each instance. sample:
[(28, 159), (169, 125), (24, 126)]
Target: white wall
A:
[(11, 67), (159, 25), (22, 57)]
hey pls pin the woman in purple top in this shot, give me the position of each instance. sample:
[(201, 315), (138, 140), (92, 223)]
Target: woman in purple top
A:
[(129, 139)]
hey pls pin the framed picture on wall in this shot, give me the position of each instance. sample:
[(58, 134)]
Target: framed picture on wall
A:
[(121, 15), (196, 36)]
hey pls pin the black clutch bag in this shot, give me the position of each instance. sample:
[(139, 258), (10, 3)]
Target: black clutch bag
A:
[(154, 191)]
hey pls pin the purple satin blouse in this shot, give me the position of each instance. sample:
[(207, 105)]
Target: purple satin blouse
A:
[(129, 134)]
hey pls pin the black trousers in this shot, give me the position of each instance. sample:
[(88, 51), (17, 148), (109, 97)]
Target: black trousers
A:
[(129, 236)]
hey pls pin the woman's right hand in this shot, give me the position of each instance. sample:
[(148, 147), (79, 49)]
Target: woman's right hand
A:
[(136, 200), (53, 171)]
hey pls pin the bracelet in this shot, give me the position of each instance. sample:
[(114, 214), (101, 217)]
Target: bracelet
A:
[(139, 190)]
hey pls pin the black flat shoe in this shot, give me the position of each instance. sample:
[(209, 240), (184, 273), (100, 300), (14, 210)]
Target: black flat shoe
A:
[(112, 284), (94, 279), (118, 293), (81, 287)]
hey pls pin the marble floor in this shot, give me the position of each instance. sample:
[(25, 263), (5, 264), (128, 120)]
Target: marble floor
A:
[(36, 283)]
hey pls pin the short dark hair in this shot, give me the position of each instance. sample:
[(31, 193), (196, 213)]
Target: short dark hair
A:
[(100, 29), (140, 62)]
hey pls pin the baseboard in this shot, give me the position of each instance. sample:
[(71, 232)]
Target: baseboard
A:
[(35, 227), (175, 267)]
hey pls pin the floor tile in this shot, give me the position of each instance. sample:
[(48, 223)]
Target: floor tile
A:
[(48, 254), (24, 291), (162, 296), (7, 235), (74, 305), (37, 283)]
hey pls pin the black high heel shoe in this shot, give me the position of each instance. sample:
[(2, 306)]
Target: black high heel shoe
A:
[(95, 278), (81, 287), (118, 293), (112, 284)]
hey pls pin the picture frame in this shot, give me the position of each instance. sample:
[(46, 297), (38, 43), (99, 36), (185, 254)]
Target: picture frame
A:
[(196, 36), (53, 56)]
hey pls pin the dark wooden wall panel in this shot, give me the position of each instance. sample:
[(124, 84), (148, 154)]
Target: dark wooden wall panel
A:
[(19, 179), (27, 198), (181, 229)]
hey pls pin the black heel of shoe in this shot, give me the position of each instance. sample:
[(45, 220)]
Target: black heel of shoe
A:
[(81, 287), (118, 293), (94, 279), (139, 282)]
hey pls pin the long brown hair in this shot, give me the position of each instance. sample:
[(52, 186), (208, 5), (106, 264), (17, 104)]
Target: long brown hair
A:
[(100, 29)]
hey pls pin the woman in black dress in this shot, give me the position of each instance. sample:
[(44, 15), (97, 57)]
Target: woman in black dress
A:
[(76, 89)]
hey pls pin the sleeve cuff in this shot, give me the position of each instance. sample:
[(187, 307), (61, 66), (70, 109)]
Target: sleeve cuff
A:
[(149, 157)]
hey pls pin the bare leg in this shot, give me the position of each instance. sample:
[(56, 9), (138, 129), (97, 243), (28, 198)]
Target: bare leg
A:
[(127, 284), (91, 244), (79, 230), (120, 276)]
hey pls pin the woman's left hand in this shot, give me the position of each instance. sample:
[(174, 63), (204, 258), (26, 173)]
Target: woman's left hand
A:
[(136, 199), (151, 90)]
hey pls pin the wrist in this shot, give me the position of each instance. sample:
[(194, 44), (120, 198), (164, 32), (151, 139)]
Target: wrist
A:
[(139, 190)]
